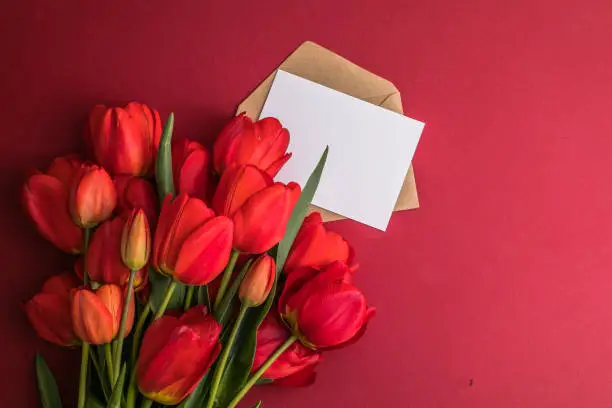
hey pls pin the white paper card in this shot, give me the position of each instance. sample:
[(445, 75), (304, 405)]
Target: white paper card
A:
[(370, 148)]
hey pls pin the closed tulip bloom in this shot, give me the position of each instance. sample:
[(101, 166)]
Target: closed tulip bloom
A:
[(323, 308), (46, 199), (258, 281), (262, 144), (49, 310), (175, 354), (96, 315), (315, 246), (136, 241), (92, 196), (125, 140), (191, 244), (104, 257), (258, 207), (193, 170), (294, 366), (137, 192)]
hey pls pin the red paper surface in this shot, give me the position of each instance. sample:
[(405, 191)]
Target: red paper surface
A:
[(502, 279)]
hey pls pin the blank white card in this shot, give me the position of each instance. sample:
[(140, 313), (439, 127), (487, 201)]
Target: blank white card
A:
[(370, 148)]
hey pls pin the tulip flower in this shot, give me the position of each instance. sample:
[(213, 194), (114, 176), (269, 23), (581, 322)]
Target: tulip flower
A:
[(262, 144), (258, 207), (316, 247), (104, 257), (49, 310), (125, 140), (137, 192), (191, 245), (175, 354), (92, 196), (294, 366), (257, 283), (136, 241), (323, 308), (45, 197), (96, 315), (192, 170)]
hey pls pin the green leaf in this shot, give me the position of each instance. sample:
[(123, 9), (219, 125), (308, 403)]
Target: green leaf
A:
[(196, 398), (115, 398), (93, 402), (264, 381), (203, 297), (49, 394), (159, 283), (222, 312), (299, 212), (163, 166), (258, 405), (243, 352)]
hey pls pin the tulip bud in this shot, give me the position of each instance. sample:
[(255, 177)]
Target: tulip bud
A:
[(92, 197), (258, 281), (136, 241), (96, 315)]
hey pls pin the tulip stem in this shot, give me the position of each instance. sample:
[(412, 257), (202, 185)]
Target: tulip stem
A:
[(83, 377), (86, 233), (146, 403), (100, 374), (167, 297), (257, 375), (227, 275), (124, 318), (131, 395), (188, 297), (227, 347), (109, 363)]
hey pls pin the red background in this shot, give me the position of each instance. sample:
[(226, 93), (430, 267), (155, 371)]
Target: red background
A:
[(503, 277)]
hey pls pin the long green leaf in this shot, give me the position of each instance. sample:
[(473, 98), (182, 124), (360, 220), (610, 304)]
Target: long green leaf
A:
[(159, 283), (93, 402), (115, 398), (243, 352), (49, 394), (196, 398), (204, 297), (163, 166), (299, 212)]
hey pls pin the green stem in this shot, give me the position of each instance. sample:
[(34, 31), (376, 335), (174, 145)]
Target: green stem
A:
[(124, 317), (83, 377), (109, 363), (146, 403), (224, 357), (98, 368), (188, 297), (167, 296), (131, 395), (257, 375), (86, 234), (227, 275)]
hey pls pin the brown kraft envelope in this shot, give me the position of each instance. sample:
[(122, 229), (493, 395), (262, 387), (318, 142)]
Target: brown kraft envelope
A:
[(320, 65)]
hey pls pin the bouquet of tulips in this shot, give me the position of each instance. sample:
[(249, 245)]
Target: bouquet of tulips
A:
[(196, 276)]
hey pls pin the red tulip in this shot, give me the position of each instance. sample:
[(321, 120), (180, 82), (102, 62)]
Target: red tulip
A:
[(294, 366), (315, 246), (49, 310), (323, 308), (192, 169), (136, 241), (258, 207), (92, 196), (103, 258), (137, 192), (96, 315), (175, 354), (258, 281), (191, 245), (45, 197), (125, 140), (262, 144)]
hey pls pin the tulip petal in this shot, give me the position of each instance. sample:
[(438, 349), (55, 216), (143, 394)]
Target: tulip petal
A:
[(273, 142), (236, 186), (49, 314), (275, 167), (205, 253), (195, 176), (303, 378), (91, 319)]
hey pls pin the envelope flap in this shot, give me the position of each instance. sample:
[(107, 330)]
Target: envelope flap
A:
[(320, 65)]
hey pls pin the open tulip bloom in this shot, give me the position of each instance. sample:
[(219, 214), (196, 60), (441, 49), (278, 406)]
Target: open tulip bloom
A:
[(194, 258)]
